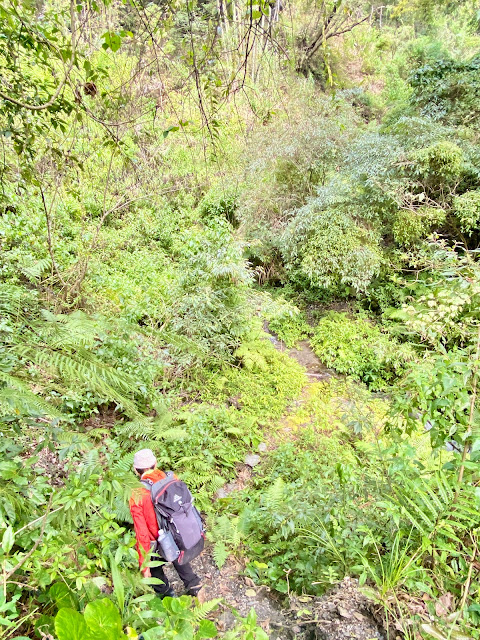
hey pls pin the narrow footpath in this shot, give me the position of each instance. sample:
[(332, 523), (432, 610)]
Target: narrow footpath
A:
[(342, 614)]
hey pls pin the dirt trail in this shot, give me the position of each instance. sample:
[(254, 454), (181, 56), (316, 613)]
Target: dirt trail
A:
[(343, 614)]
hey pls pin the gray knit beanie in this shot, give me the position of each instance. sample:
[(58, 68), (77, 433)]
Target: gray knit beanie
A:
[(144, 459)]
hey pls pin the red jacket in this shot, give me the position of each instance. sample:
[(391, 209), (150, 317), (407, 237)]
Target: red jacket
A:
[(143, 514)]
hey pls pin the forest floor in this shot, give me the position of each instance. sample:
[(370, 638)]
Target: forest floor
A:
[(342, 614)]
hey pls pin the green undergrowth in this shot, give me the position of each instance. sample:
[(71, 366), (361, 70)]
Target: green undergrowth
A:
[(158, 236), (336, 406), (283, 318), (313, 480), (262, 384), (359, 348), (338, 496)]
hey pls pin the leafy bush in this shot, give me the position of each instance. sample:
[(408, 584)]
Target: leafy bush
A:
[(448, 90), (412, 225), (285, 164), (293, 156), (290, 328), (167, 619), (330, 249), (220, 205), (437, 166), (360, 349), (299, 495), (285, 319), (467, 210), (273, 522)]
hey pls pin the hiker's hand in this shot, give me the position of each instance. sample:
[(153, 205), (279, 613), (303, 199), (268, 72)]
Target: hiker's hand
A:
[(147, 573)]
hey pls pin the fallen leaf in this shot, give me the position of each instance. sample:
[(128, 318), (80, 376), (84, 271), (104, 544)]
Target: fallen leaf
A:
[(250, 593), (444, 605)]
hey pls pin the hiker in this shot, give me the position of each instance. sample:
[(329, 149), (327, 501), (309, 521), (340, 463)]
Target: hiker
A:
[(147, 528)]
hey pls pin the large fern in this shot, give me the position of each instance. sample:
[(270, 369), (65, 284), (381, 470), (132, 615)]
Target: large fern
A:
[(16, 396), (33, 270), (228, 534), (274, 497), (154, 429), (432, 506), (57, 351)]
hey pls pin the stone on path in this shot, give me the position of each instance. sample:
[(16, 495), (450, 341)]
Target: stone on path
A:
[(252, 460)]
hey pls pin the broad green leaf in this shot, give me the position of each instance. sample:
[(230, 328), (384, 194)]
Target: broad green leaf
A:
[(62, 596), (207, 629), (169, 130), (103, 619), (156, 633), (70, 625)]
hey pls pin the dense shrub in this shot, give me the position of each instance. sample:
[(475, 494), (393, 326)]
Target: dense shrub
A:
[(360, 349), (220, 204), (301, 515), (330, 249), (437, 166), (467, 210), (284, 319), (448, 90), (412, 225)]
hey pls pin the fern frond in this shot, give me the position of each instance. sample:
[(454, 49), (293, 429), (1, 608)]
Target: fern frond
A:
[(274, 497), (444, 489), (68, 332), (124, 465), (74, 437), (146, 428), (82, 368), (204, 609), (33, 272), (435, 499), (122, 511), (430, 505), (220, 554), (252, 358), (91, 463), (17, 395), (16, 301)]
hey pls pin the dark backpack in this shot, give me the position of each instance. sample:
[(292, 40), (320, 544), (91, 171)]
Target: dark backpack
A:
[(173, 504)]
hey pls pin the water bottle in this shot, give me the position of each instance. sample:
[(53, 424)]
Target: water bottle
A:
[(168, 546)]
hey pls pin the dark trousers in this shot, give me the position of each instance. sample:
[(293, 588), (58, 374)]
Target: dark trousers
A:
[(185, 573)]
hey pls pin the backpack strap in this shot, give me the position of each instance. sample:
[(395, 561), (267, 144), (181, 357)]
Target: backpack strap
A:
[(148, 484)]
